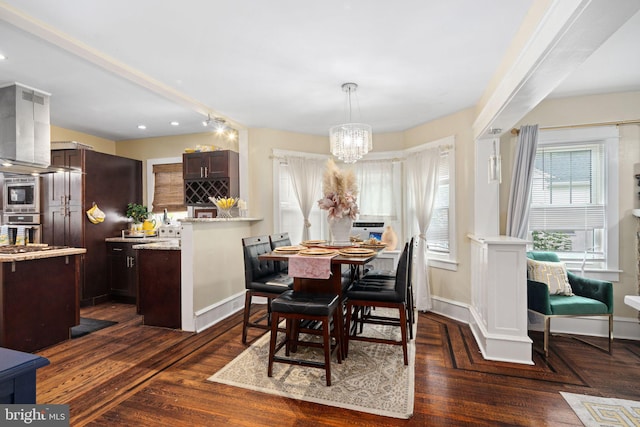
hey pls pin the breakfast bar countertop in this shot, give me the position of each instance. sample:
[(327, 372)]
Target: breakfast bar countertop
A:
[(29, 253), (219, 220), (135, 239), (164, 245)]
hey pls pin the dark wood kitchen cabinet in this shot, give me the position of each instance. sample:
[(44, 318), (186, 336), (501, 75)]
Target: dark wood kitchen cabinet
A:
[(123, 271), (210, 174), (38, 301), (210, 164), (107, 180), (160, 292), (63, 205)]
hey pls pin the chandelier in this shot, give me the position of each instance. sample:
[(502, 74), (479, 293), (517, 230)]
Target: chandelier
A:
[(350, 141)]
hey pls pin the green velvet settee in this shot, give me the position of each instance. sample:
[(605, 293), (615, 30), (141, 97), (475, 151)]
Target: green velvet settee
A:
[(591, 298)]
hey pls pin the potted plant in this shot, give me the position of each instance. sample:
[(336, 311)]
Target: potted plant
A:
[(138, 213)]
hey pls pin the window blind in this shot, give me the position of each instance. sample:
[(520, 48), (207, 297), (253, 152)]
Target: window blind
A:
[(169, 188), (567, 188), (438, 232)]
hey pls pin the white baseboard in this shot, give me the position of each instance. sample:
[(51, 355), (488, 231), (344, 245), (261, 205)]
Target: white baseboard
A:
[(623, 327), (215, 313), (452, 309)]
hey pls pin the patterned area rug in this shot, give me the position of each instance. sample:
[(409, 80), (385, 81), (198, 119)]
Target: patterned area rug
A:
[(601, 411), (372, 379)]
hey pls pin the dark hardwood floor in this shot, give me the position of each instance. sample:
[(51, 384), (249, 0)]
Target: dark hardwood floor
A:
[(135, 375)]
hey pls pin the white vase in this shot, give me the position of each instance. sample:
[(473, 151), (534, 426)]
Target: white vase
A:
[(340, 230)]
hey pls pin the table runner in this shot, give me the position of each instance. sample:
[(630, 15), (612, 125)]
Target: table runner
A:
[(310, 267)]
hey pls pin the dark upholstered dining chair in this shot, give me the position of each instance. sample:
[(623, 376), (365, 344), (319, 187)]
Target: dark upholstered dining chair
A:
[(262, 279), (278, 240), (390, 275), (322, 309), (591, 298), (362, 294)]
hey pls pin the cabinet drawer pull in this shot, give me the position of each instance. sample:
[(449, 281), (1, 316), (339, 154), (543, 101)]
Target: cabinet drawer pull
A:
[(117, 249)]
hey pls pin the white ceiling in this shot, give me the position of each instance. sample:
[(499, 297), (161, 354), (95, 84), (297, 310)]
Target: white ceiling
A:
[(113, 64)]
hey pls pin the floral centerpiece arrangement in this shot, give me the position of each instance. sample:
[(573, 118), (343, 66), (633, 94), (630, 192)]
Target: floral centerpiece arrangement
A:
[(340, 192)]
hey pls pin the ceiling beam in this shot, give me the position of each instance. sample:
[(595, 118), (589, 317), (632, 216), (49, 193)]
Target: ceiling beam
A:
[(567, 33)]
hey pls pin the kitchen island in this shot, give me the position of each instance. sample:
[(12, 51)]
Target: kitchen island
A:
[(39, 295)]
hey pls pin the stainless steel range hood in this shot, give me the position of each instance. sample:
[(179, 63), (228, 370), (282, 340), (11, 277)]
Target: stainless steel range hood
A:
[(25, 135)]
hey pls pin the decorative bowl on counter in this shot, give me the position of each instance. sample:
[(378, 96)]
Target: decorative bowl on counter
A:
[(224, 205)]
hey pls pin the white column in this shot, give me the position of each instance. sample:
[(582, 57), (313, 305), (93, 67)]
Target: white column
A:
[(499, 298), (486, 220)]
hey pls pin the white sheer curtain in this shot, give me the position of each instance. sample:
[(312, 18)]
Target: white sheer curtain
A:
[(306, 177), (376, 183), (520, 195), (422, 176)]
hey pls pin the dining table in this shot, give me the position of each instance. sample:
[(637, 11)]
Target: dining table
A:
[(330, 285), (333, 284)]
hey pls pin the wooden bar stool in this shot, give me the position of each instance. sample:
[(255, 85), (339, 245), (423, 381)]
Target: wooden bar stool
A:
[(296, 306)]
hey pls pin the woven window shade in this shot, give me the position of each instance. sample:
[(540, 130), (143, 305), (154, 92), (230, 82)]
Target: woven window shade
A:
[(169, 188)]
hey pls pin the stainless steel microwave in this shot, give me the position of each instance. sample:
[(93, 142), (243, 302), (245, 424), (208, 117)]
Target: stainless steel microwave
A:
[(21, 194)]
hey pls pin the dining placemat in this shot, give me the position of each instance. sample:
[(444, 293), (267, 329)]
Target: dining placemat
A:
[(311, 267)]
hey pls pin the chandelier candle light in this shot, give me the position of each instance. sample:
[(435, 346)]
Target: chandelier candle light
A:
[(350, 141)]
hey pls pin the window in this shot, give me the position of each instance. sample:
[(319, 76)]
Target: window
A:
[(438, 232), (381, 197), (168, 190), (573, 199), (441, 234), (287, 214), (378, 198)]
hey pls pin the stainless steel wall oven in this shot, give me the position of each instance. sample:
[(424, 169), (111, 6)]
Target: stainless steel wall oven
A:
[(21, 207), (21, 194)]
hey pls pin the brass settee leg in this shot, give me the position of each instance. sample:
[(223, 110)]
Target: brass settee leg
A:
[(610, 332)]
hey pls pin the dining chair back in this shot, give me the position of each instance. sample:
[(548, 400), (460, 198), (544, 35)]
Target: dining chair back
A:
[(261, 279), (390, 276), (278, 240), (380, 293)]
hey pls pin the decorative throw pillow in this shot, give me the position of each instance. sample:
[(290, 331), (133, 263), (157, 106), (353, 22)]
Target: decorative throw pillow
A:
[(553, 274)]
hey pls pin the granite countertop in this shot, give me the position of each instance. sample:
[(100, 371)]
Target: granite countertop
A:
[(164, 245), (236, 219), (136, 239), (50, 253)]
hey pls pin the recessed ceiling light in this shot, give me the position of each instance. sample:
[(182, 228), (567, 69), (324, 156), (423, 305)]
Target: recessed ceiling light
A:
[(142, 127), (2, 57), (174, 123)]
